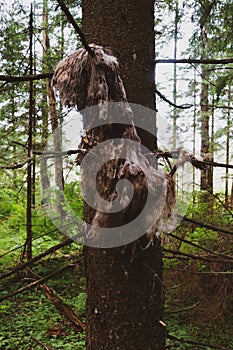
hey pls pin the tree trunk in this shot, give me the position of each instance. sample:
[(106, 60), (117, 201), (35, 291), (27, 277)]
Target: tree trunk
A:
[(228, 147), (54, 120), (30, 141), (124, 284), (45, 112), (206, 152), (175, 74)]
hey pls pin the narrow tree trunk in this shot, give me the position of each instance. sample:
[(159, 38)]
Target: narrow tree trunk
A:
[(124, 294), (45, 183), (54, 120), (206, 152), (231, 201), (175, 73), (194, 129), (30, 134), (228, 147), (205, 139)]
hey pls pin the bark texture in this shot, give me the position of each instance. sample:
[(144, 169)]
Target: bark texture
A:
[(124, 284), (128, 28), (206, 151)]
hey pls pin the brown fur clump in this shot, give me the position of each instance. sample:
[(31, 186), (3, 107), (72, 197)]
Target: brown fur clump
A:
[(85, 80)]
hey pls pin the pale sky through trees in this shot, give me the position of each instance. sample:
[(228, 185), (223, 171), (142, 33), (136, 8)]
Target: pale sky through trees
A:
[(164, 81)]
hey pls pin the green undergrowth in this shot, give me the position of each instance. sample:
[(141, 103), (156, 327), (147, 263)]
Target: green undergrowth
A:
[(189, 283), (186, 330), (31, 314)]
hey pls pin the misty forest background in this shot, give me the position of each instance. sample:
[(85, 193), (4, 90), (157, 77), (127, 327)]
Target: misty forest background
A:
[(194, 73)]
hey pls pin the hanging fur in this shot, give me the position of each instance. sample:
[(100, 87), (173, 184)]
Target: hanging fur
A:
[(83, 80)]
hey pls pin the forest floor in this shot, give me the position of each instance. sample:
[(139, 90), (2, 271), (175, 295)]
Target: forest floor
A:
[(198, 283), (30, 321)]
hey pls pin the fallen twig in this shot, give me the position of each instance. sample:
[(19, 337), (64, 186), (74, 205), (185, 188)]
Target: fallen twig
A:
[(177, 253), (63, 309), (38, 282), (182, 340), (41, 343), (182, 310)]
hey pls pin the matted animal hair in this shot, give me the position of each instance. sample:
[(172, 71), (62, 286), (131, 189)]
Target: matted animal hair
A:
[(85, 80)]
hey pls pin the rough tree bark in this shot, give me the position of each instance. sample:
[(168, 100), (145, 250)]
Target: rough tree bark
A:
[(30, 145), (206, 151), (124, 295)]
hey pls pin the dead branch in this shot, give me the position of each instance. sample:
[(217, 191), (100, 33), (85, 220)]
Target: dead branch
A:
[(185, 106), (216, 164), (64, 309), (36, 258), (193, 60), (182, 340), (16, 165), (199, 164), (221, 202), (182, 310), (17, 78), (200, 247), (53, 154), (201, 272), (38, 282), (207, 226), (46, 347), (76, 27), (173, 256), (216, 106), (189, 105), (34, 239), (20, 144), (177, 253)]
